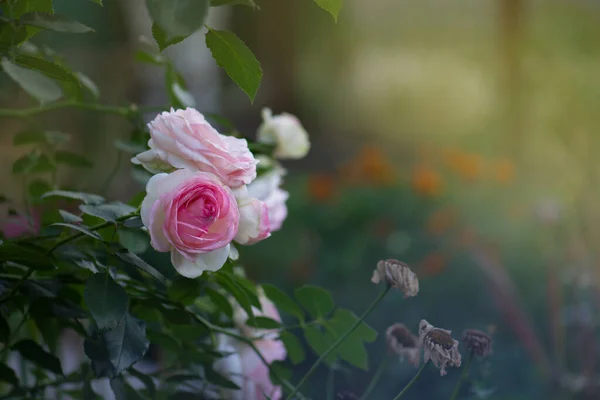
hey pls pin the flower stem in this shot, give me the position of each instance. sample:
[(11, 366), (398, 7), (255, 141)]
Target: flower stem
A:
[(338, 342), (382, 367), (463, 376), (412, 381), (93, 228), (124, 111)]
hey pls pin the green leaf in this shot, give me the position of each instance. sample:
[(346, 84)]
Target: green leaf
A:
[(10, 37), (264, 323), (352, 348), (31, 163), (106, 300), (217, 3), (80, 228), (245, 298), (146, 380), (108, 212), (178, 18), (8, 375), (32, 351), (217, 379), (51, 138), (283, 301), (22, 6), (179, 97), (126, 344), (4, 330), (87, 83), (47, 68), (54, 22), (37, 188), (161, 38), (220, 302), (320, 341), (236, 59), (134, 240), (129, 147), (149, 58), (137, 262), (34, 83), (293, 346), (70, 218), (71, 159), (85, 197), (333, 7), (99, 2), (317, 301), (26, 255), (122, 390), (184, 290), (281, 371)]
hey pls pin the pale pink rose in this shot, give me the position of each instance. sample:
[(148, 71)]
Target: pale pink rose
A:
[(22, 225), (184, 139), (192, 215), (254, 218), (286, 133), (243, 366), (266, 188)]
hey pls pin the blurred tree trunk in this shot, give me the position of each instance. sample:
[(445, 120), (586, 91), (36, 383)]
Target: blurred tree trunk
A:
[(271, 34), (511, 20)]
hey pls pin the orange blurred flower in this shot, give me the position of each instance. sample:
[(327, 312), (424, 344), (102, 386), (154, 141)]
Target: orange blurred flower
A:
[(433, 264), (441, 220), (369, 166), (426, 181), (504, 170), (467, 165), (321, 187)]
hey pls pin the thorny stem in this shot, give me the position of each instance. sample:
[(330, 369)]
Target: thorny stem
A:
[(338, 342), (412, 381), (117, 110), (249, 342), (463, 376), (382, 367)]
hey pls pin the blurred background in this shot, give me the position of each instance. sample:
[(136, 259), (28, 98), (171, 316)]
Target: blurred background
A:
[(460, 137)]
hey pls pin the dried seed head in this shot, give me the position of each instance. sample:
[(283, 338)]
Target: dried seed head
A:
[(438, 346), (478, 342), (398, 275), (401, 341)]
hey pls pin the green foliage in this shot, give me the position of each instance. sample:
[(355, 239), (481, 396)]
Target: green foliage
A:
[(87, 264), (34, 83), (236, 59), (333, 7), (176, 19), (106, 300)]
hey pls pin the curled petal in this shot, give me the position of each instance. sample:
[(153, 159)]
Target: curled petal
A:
[(211, 261), (254, 221)]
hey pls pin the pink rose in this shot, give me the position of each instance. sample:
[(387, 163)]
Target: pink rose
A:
[(254, 218), (192, 215), (266, 188), (184, 139), (22, 225), (243, 366)]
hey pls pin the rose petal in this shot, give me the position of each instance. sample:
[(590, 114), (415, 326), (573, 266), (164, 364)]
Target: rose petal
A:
[(211, 261)]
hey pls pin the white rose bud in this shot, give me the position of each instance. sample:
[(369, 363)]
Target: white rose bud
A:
[(286, 133)]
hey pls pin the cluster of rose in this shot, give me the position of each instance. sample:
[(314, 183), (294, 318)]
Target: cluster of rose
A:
[(205, 195)]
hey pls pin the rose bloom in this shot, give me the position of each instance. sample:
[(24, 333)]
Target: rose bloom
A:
[(195, 217), (243, 366), (20, 225), (266, 188), (286, 133), (184, 139)]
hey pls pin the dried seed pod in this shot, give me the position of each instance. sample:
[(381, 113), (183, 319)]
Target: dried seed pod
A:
[(398, 275), (439, 346), (402, 342), (478, 342)]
